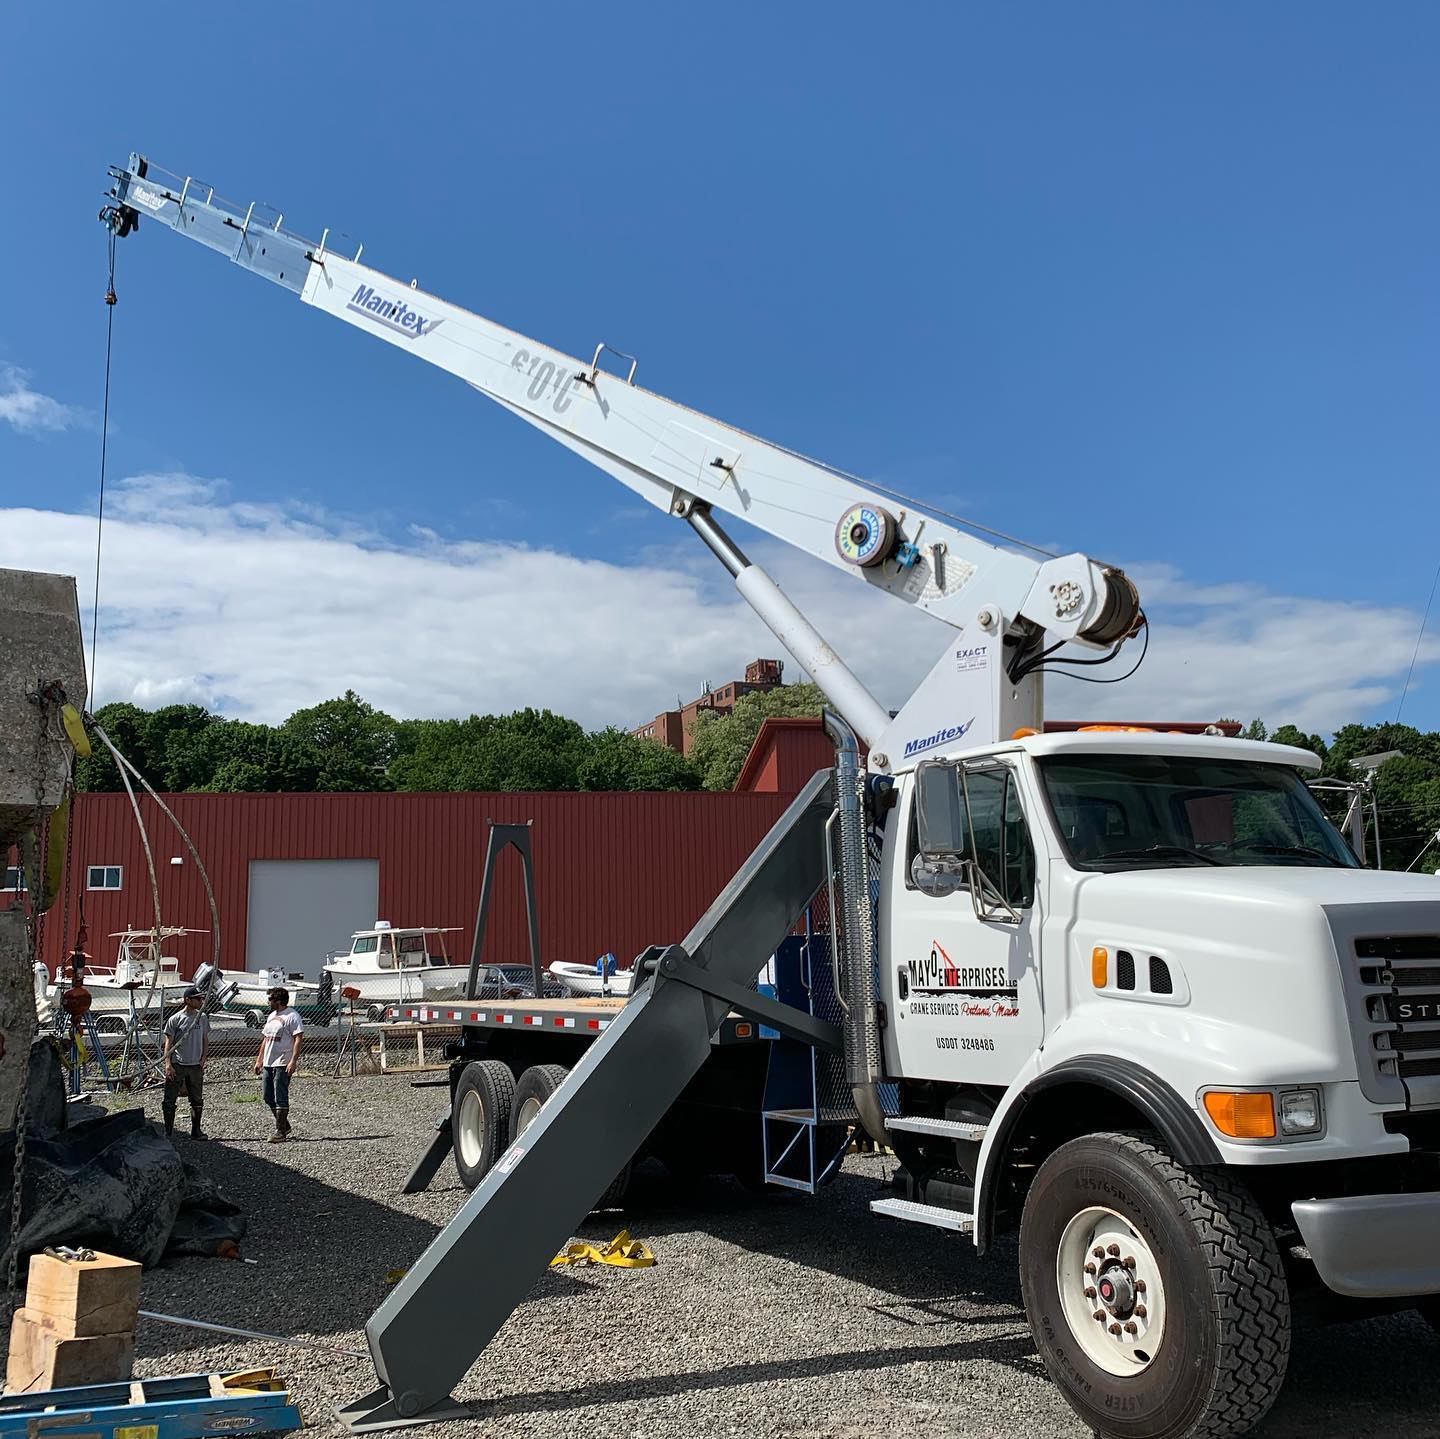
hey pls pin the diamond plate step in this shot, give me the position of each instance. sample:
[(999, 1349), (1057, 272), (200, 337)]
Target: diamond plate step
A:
[(932, 1214), (946, 1128)]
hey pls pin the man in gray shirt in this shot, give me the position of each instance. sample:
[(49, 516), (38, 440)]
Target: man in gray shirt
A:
[(187, 1045)]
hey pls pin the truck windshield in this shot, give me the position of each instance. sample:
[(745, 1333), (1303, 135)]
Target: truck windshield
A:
[(1140, 811)]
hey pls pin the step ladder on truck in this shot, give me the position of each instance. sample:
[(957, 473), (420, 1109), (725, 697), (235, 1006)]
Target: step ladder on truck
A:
[(1137, 998)]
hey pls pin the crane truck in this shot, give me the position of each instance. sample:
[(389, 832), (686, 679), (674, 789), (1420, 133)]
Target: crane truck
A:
[(1129, 994)]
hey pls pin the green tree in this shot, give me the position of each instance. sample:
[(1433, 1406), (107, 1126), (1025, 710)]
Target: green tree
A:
[(355, 742), (1255, 730), (125, 724), (255, 758), (719, 743), (616, 760), (527, 750), (1288, 734)]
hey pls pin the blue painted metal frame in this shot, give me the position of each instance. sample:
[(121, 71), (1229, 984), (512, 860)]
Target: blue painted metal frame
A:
[(792, 1121), (181, 1407)]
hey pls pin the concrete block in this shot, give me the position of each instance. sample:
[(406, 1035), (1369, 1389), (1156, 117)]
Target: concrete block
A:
[(39, 643)]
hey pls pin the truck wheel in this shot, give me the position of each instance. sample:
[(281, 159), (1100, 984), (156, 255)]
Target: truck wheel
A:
[(1155, 1294), (480, 1118), (532, 1093), (536, 1086)]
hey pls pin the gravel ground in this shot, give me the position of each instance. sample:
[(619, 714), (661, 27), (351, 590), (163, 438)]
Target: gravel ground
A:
[(777, 1316)]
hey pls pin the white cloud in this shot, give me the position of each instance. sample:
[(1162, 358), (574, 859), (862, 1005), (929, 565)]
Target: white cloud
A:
[(258, 609), (28, 410)]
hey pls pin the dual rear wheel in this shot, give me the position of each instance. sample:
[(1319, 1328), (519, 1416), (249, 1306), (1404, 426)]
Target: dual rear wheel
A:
[(491, 1109)]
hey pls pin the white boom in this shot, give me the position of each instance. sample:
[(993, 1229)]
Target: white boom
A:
[(690, 465)]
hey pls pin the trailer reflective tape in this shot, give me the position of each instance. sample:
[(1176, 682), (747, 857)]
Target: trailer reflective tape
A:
[(532, 1019), (592, 1024)]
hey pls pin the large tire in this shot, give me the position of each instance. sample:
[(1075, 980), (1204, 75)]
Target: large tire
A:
[(1206, 1293), (532, 1093), (480, 1118)]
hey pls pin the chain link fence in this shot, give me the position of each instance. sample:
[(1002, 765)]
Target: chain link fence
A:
[(129, 1055)]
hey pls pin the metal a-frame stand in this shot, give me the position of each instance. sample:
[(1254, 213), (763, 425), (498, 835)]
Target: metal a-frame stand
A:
[(502, 836), (455, 1297)]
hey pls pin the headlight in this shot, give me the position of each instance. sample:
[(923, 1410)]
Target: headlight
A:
[(1300, 1112), (1257, 1115)]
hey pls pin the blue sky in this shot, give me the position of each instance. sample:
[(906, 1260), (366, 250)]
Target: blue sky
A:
[(1157, 283)]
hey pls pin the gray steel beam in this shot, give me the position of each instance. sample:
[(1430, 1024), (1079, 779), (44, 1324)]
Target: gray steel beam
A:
[(428, 1331), (791, 1022)]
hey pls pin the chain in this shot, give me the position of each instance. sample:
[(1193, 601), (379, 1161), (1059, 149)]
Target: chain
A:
[(34, 883)]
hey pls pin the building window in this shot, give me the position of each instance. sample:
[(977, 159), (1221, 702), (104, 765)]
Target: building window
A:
[(104, 876), (12, 880)]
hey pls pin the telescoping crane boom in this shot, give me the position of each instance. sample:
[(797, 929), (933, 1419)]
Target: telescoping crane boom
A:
[(1009, 608), (1128, 993)]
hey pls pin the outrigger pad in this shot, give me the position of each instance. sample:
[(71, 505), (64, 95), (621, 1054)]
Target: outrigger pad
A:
[(377, 1410)]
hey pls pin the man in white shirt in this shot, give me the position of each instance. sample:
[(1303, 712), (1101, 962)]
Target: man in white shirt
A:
[(279, 1051)]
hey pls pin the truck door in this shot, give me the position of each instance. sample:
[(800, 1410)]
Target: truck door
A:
[(963, 963)]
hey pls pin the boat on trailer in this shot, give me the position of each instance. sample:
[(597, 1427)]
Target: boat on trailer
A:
[(390, 965)]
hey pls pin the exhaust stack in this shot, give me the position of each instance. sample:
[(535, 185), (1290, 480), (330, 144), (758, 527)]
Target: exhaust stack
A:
[(861, 1028)]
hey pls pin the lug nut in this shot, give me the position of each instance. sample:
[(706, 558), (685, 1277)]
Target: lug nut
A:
[(1101, 1315), (1100, 1253), (1141, 1311), (1129, 1261), (1089, 1291), (1113, 1251), (1089, 1268), (1139, 1286), (1131, 1327), (1115, 1329)]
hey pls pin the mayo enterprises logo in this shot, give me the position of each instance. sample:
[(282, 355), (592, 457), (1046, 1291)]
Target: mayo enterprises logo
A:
[(919, 746), (393, 314)]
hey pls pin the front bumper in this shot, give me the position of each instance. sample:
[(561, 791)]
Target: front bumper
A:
[(1374, 1246)]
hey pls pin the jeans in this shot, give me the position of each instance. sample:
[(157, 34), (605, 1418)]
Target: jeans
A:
[(277, 1086)]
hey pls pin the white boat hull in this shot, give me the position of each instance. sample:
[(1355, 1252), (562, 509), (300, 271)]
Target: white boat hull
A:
[(402, 986), (583, 980)]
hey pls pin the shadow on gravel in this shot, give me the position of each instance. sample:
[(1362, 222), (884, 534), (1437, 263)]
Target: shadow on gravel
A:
[(1344, 1379), (1014, 1353)]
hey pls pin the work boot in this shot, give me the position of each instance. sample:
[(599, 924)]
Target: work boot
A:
[(195, 1132), (169, 1123), (282, 1127)]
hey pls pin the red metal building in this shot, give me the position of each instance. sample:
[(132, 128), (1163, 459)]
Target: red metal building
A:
[(613, 871)]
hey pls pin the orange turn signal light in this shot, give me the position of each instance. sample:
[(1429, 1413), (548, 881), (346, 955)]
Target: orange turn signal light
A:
[(1242, 1115), (1099, 966), (1024, 732)]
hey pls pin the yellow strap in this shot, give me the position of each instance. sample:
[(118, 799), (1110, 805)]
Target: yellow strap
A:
[(75, 729), (622, 1252)]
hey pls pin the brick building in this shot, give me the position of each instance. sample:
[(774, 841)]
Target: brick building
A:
[(672, 728)]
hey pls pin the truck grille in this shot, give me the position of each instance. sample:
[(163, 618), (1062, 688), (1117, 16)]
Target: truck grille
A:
[(1399, 987)]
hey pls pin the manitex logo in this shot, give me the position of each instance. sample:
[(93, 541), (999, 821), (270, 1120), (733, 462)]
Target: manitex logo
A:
[(393, 314), (944, 736)]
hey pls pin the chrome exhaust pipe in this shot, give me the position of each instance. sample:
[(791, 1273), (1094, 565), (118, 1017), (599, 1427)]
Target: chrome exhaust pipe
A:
[(856, 939)]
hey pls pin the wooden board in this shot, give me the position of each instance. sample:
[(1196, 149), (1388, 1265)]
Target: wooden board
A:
[(43, 1358), (85, 1297)]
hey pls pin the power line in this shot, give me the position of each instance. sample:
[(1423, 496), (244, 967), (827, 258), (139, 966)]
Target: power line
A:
[(1418, 638)]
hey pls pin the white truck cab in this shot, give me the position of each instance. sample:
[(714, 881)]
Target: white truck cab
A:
[(1156, 948)]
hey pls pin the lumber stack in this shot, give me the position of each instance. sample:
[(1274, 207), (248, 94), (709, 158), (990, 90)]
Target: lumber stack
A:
[(77, 1325)]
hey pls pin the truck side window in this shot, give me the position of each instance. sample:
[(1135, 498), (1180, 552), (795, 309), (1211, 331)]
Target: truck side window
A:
[(1002, 840)]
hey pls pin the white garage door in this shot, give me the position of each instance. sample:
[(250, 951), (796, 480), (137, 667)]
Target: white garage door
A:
[(301, 910)]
